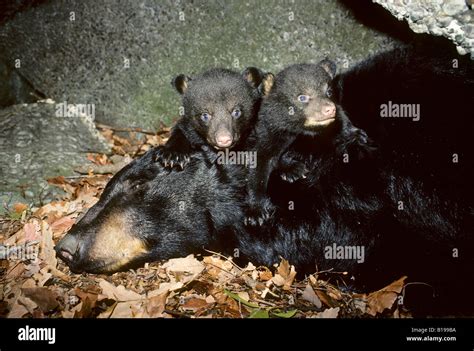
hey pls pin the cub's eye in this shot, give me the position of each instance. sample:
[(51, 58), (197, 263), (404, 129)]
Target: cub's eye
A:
[(236, 113), (303, 98), (206, 117), (329, 92)]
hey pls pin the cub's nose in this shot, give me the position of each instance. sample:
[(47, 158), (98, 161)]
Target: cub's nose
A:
[(224, 140), (329, 110), (67, 248)]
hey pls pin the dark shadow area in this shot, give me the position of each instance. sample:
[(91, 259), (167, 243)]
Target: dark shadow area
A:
[(14, 88), (9, 8), (375, 16)]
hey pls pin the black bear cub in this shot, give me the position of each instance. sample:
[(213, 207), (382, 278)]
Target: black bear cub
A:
[(220, 107), (297, 104)]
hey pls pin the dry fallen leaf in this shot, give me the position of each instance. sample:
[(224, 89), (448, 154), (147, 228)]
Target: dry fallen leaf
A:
[(84, 308), (123, 310), (62, 225), (360, 304), (184, 269), (17, 311), (61, 182), (219, 268), (47, 253), (155, 306), (285, 275), (32, 231), (42, 276), (118, 293), (194, 304), (100, 159), (165, 287), (310, 295), (333, 292), (19, 207), (244, 295), (378, 301), (55, 208), (325, 298), (43, 297), (265, 274), (328, 313)]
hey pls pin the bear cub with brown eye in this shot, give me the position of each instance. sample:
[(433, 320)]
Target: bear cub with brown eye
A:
[(296, 107), (219, 108)]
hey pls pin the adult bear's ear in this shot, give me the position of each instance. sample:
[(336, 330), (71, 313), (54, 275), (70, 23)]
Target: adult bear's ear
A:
[(329, 66), (180, 83)]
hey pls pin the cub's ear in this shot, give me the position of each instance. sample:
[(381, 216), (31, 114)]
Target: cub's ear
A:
[(180, 83), (329, 66), (267, 83), (253, 76)]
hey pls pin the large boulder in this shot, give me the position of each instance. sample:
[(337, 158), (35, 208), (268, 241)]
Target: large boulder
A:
[(37, 143), (452, 19), (122, 56)]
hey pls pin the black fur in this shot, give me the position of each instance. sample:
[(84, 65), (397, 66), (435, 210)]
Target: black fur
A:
[(283, 119), (343, 203), (405, 201), (219, 93)]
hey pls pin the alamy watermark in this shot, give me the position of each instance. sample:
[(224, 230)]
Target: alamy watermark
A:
[(337, 252), (245, 158), (391, 109), (22, 252), (64, 109), (37, 334)]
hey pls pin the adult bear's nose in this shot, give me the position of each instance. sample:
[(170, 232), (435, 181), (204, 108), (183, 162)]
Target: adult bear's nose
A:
[(67, 248)]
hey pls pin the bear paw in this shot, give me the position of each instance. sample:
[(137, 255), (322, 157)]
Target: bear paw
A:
[(257, 215), (358, 144), (170, 159), (296, 172)]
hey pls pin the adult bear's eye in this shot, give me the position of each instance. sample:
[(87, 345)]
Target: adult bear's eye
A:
[(137, 186), (236, 113), (206, 117), (303, 98)]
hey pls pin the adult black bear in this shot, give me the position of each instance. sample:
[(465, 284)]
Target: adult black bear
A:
[(377, 217), (220, 108)]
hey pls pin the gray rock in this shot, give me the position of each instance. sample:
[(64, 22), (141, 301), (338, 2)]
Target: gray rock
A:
[(469, 29), (450, 18), (35, 145), (453, 7), (15, 89), (122, 56)]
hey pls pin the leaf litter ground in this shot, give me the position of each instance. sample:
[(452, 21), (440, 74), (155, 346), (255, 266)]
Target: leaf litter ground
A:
[(34, 283)]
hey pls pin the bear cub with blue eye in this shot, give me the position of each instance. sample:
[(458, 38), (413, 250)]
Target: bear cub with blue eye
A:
[(296, 105), (220, 108)]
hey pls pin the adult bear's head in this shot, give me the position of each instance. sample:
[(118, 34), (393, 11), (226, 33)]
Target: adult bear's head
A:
[(148, 213)]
